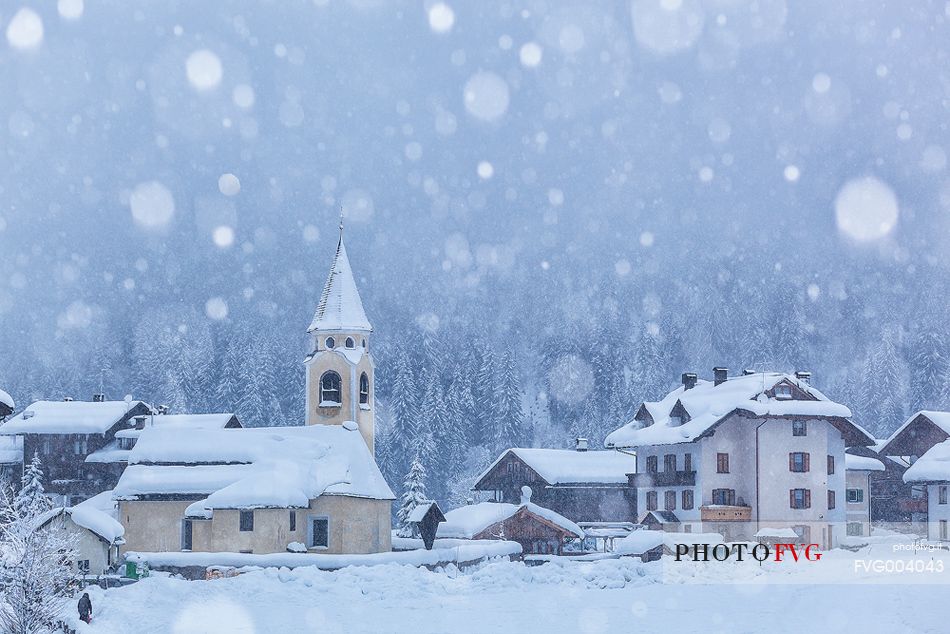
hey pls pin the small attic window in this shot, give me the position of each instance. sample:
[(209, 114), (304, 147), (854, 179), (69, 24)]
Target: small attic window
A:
[(783, 391), (330, 343), (676, 421), (350, 343)]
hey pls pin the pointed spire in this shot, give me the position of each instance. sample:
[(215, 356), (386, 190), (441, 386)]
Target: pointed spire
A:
[(340, 306)]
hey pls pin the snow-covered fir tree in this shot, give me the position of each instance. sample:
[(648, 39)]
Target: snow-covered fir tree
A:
[(32, 499), (414, 494)]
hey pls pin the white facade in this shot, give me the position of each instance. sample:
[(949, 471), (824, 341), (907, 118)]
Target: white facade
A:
[(938, 525)]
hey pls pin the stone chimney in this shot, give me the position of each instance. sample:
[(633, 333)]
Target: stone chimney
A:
[(580, 444), (804, 376), (689, 380), (720, 375)]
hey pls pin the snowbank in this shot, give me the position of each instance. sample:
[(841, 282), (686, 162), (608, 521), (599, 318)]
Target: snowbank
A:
[(933, 466), (469, 552), (639, 542)]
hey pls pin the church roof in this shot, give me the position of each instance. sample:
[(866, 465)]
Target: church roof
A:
[(340, 307)]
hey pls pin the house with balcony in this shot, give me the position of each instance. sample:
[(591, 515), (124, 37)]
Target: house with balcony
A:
[(739, 454), (859, 469), (585, 486)]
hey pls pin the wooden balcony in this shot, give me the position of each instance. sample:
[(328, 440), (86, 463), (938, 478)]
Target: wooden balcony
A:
[(663, 479), (725, 513)]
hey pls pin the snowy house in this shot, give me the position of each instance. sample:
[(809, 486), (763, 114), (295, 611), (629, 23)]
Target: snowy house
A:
[(932, 470), (63, 433), (909, 499), (539, 530), (254, 490), (339, 367), (858, 472), (96, 532), (6, 405), (738, 454), (117, 452), (11, 459), (586, 486)]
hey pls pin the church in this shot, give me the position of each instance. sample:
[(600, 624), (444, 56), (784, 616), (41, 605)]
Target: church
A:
[(313, 488)]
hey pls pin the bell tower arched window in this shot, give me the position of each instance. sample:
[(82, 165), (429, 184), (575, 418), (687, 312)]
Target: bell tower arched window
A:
[(350, 343), (330, 389), (364, 389)]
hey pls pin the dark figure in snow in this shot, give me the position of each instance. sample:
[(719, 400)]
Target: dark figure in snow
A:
[(85, 608)]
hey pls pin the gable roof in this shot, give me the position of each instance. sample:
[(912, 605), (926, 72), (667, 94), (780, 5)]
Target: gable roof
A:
[(70, 417), (661, 517), (423, 509), (907, 432), (707, 404), (854, 462), (183, 422), (933, 466), (260, 467), (97, 514), (567, 466), (340, 307), (468, 521)]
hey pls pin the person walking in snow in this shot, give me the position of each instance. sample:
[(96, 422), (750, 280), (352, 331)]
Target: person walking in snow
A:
[(85, 608)]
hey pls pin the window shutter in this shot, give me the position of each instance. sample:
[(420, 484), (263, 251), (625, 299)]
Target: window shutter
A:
[(791, 498), (807, 461), (791, 462), (807, 498)]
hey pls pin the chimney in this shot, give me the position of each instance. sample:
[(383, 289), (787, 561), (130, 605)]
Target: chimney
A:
[(803, 376), (99, 398), (748, 372), (720, 375), (140, 421), (525, 495), (580, 444), (689, 380)]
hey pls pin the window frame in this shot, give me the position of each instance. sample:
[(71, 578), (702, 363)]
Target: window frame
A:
[(364, 389), (246, 520), (805, 465), (651, 464), (293, 521), (724, 497), (831, 465), (311, 534), (687, 501), (855, 532), (187, 529), (687, 462), (651, 501), (793, 501), (799, 428), (831, 499), (722, 462), (858, 496), (942, 494), (349, 343), (330, 343), (669, 500), (324, 401), (669, 460)]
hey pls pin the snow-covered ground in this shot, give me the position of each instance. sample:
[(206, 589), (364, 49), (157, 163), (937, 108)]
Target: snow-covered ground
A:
[(599, 596)]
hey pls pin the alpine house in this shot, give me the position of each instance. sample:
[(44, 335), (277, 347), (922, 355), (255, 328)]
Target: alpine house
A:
[(739, 454)]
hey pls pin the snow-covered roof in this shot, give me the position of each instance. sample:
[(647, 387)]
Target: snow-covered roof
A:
[(340, 307), (707, 404), (862, 463), (110, 453), (97, 514), (11, 449), (253, 468), (181, 422), (419, 512), (567, 466), (777, 533), (933, 466), (7, 400), (68, 417), (639, 542), (467, 521), (940, 419)]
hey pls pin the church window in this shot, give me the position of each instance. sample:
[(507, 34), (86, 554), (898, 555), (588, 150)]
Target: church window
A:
[(364, 389), (330, 343), (350, 343), (330, 391)]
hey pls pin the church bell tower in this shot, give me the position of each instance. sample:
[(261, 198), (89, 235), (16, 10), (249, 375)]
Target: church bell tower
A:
[(340, 368)]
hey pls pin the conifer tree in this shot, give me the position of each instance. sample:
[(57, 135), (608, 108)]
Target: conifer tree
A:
[(32, 498), (414, 494), (404, 411), (511, 427)]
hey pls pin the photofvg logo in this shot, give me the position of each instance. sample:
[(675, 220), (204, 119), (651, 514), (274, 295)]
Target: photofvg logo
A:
[(745, 552)]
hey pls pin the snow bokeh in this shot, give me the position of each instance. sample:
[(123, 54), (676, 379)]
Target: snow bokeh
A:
[(152, 205), (866, 209), (204, 69), (486, 96), (25, 30)]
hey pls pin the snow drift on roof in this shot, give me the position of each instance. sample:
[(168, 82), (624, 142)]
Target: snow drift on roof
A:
[(467, 521), (98, 514), (707, 404), (11, 449), (567, 466), (933, 466), (7, 400), (340, 306), (253, 468), (67, 417), (180, 421), (862, 463), (639, 542)]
